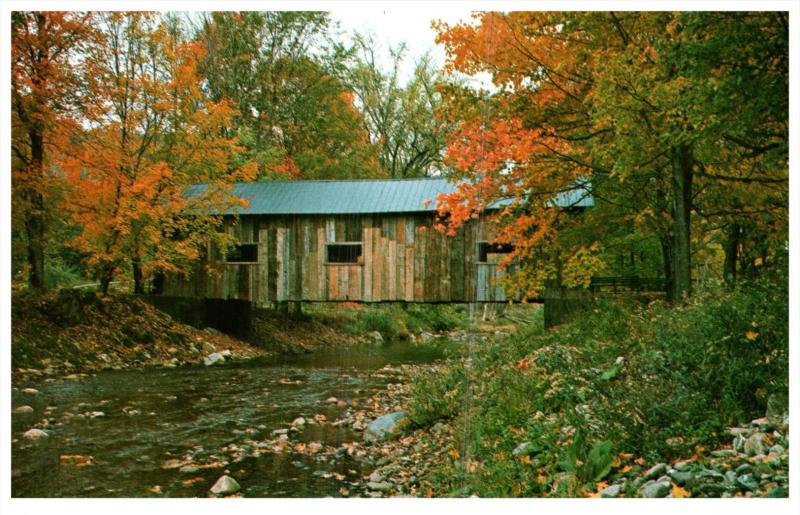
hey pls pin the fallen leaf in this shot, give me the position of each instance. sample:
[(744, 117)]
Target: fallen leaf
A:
[(680, 493)]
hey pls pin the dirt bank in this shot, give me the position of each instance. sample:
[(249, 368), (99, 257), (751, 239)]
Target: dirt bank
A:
[(70, 332)]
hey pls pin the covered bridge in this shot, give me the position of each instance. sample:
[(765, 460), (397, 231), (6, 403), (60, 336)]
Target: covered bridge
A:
[(350, 240)]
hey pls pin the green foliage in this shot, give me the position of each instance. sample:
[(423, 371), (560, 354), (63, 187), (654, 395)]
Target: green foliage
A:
[(60, 274), (437, 394), (400, 321), (685, 374)]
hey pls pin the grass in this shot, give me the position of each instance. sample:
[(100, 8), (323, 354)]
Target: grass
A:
[(393, 321)]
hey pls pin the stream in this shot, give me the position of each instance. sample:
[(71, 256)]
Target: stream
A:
[(133, 424)]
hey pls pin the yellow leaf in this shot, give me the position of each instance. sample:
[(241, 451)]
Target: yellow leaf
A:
[(751, 335), (526, 460), (625, 469), (453, 453), (680, 493)]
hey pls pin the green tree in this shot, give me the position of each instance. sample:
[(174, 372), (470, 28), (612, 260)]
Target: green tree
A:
[(402, 118), (296, 118)]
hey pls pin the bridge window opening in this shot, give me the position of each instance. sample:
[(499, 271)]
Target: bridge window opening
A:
[(243, 253), (493, 252), (344, 253)]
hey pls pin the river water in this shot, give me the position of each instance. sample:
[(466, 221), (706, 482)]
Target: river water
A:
[(200, 415)]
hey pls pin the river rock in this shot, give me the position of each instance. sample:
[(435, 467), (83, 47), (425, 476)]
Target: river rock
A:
[(656, 489), (375, 336), (23, 409), (382, 486), (425, 336), (723, 453), (524, 449), (299, 421), (214, 359), (738, 443), (681, 477), (34, 434), (754, 445), (775, 449), (611, 491), (655, 471), (225, 485), (747, 482), (384, 427), (31, 391)]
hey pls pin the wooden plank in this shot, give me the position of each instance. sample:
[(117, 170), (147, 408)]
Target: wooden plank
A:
[(400, 250), (321, 283), (330, 230), (391, 267), (377, 266), (409, 285), (367, 268), (419, 264), (341, 231), (333, 284), (263, 272)]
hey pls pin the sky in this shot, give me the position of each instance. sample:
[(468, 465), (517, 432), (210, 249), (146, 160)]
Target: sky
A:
[(393, 26)]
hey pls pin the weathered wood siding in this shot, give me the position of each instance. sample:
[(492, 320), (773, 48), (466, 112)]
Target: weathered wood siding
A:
[(402, 259)]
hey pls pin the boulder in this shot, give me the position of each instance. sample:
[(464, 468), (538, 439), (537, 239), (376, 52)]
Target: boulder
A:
[(298, 422), (35, 434), (425, 336), (777, 407), (655, 471), (656, 489), (754, 445), (31, 391), (375, 337), (225, 485), (681, 477), (611, 491), (747, 482), (777, 449), (207, 347), (227, 354), (738, 443), (383, 428), (383, 486), (23, 409), (214, 359)]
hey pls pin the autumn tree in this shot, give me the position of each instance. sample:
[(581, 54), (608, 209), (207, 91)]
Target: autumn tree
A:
[(628, 101), (149, 134), (401, 117), (296, 118), (46, 87)]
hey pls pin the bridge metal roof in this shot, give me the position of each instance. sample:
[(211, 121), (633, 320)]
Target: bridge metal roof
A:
[(358, 196)]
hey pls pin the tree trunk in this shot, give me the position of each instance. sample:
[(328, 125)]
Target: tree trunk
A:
[(106, 274), (34, 216), (666, 259), (681, 163), (138, 276), (731, 253)]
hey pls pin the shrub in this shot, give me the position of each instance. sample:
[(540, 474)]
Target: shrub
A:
[(654, 380)]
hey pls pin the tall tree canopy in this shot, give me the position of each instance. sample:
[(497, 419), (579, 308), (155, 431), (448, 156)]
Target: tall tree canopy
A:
[(402, 118), (663, 114), (296, 118), (148, 134), (47, 62)]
